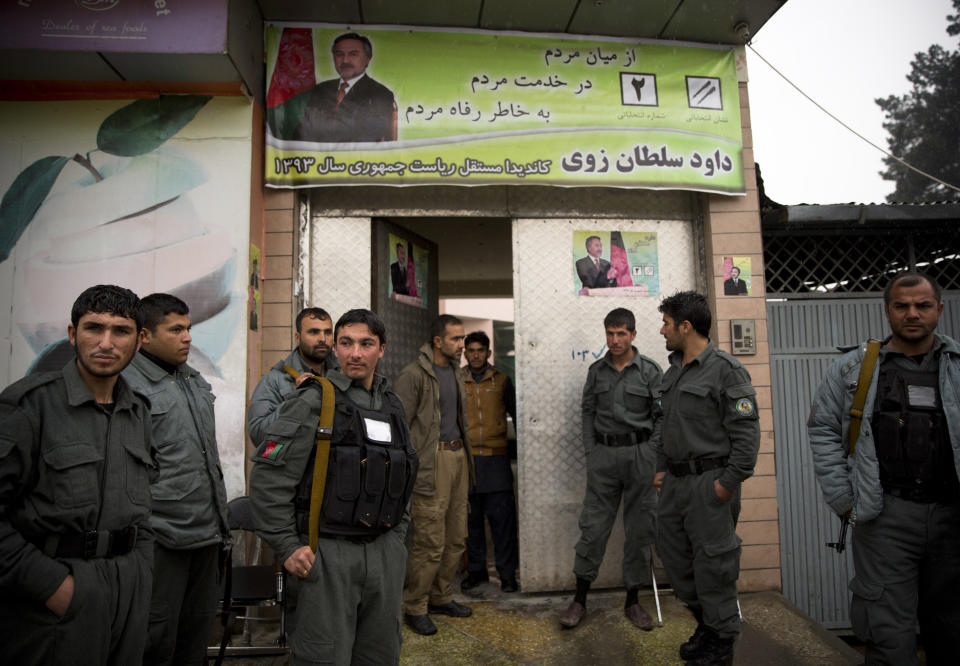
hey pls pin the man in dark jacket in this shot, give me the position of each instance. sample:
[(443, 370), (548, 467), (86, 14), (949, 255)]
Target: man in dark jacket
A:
[(594, 271), (350, 108), (76, 548), (490, 397), (189, 499)]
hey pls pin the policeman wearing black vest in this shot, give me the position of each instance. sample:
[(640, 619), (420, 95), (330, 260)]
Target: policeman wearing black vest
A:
[(350, 587), (900, 486)]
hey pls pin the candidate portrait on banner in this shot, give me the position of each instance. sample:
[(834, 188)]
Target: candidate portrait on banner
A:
[(351, 108)]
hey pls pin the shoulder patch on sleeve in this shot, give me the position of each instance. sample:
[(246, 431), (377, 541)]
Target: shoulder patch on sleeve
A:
[(269, 452), (745, 407)]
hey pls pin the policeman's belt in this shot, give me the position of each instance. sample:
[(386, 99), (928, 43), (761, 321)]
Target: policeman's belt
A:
[(352, 538), (921, 495), (488, 451), (454, 445), (91, 544), (696, 466), (621, 439)]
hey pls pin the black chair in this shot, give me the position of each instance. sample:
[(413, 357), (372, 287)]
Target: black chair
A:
[(248, 586)]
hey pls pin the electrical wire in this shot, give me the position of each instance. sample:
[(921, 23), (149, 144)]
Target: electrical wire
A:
[(850, 129)]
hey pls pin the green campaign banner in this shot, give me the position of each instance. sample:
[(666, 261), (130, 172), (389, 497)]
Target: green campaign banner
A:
[(418, 106)]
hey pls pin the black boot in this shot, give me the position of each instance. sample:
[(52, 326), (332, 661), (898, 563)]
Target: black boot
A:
[(692, 647), (714, 651)]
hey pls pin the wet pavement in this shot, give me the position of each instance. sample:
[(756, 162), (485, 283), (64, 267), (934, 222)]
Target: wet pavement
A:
[(523, 629)]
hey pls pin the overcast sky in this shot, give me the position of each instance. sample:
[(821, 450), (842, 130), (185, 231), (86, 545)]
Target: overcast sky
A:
[(844, 54)]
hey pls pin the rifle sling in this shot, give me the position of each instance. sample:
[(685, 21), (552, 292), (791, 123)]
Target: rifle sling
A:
[(322, 458), (860, 397)]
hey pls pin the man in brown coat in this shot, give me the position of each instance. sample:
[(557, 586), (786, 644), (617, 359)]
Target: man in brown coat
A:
[(432, 392)]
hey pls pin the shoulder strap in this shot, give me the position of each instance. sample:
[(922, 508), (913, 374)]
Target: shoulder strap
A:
[(324, 433), (860, 397), (320, 460)]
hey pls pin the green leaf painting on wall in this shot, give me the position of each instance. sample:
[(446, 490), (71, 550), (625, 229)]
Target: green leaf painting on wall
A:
[(146, 124), (135, 129), (24, 197)]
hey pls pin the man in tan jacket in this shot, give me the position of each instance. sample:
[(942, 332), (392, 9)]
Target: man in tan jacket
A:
[(432, 392)]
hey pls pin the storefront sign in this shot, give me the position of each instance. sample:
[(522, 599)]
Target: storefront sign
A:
[(481, 108), (130, 26)]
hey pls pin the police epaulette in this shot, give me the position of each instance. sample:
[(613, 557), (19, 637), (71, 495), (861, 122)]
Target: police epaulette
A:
[(732, 360), (15, 392)]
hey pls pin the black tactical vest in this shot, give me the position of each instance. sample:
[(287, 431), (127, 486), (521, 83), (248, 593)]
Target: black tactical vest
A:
[(912, 440), (370, 474)]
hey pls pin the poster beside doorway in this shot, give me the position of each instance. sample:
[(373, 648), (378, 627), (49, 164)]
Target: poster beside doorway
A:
[(406, 315)]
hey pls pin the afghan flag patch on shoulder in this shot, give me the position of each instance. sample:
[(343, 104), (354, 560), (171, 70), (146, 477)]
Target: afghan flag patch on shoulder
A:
[(270, 450)]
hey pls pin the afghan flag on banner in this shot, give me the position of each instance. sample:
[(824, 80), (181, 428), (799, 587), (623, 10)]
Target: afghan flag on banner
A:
[(618, 259), (293, 72), (411, 272), (292, 75)]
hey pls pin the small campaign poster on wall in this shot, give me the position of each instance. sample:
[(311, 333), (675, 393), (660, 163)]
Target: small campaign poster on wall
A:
[(409, 264), (616, 263), (736, 276)]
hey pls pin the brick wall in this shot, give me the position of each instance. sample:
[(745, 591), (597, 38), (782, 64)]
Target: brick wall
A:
[(732, 228)]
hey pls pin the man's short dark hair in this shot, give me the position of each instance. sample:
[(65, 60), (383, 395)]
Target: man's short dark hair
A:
[(157, 306), (399, 246), (586, 243), (737, 269), (688, 306), (620, 317), (107, 299), (910, 279), (367, 46), (478, 337), (438, 329), (362, 316), (316, 313)]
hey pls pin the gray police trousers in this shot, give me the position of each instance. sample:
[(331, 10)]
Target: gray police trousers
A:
[(348, 606), (907, 563), (613, 473), (106, 622), (698, 543)]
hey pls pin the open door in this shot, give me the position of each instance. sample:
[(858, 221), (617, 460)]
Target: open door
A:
[(405, 290)]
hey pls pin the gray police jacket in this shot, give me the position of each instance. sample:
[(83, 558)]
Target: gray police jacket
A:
[(272, 390), (189, 499), (853, 483)]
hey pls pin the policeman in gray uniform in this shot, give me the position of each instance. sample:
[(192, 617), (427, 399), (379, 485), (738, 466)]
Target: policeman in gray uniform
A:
[(707, 447), (618, 422), (76, 546), (350, 588), (189, 499), (900, 485)]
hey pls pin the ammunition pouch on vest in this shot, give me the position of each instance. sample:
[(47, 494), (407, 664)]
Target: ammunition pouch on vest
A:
[(370, 473), (913, 444)]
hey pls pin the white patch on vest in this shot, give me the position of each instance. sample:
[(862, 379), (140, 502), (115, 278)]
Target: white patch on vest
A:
[(922, 396), (377, 431)]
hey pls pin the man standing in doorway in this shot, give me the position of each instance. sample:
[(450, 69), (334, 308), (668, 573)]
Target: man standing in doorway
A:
[(431, 389), (707, 448), (189, 499), (76, 548), (490, 397), (310, 358), (899, 483), (618, 424)]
